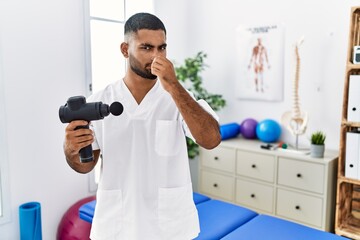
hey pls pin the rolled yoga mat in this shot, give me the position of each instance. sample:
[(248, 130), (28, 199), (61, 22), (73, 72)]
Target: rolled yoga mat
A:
[(30, 221)]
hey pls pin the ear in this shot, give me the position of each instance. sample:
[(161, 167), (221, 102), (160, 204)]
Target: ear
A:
[(124, 47)]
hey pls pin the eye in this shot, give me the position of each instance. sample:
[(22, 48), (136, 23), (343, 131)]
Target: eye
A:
[(146, 47)]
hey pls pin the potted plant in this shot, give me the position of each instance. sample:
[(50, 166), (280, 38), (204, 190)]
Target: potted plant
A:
[(189, 74), (317, 147)]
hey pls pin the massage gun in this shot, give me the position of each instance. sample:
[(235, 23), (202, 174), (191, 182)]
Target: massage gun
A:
[(76, 108)]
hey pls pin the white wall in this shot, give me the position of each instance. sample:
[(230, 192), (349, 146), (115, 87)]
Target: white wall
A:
[(175, 16), (209, 25), (43, 57)]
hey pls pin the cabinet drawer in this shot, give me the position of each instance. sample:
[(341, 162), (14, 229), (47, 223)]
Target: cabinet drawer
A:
[(299, 207), (219, 158), (302, 175), (255, 195), (217, 185), (255, 165)]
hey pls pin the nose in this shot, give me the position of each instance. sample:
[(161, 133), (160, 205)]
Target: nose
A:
[(159, 52), (154, 55)]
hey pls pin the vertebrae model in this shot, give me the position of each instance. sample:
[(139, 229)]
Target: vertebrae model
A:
[(296, 120)]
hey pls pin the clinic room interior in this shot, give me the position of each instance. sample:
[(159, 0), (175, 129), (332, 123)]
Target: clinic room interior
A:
[(280, 73)]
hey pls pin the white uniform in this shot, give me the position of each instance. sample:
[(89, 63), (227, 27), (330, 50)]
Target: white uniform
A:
[(145, 189)]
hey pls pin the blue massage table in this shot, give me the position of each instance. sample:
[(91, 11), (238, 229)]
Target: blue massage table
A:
[(226, 221), (86, 211)]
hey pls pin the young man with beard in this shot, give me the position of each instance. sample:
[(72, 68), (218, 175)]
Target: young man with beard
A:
[(145, 189)]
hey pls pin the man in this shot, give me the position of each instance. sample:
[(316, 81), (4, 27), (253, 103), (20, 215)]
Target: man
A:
[(145, 187), (259, 54)]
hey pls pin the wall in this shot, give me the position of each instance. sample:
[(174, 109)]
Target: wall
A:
[(210, 26), (43, 63)]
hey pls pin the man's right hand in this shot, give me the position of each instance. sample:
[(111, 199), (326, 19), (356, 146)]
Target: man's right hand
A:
[(76, 139)]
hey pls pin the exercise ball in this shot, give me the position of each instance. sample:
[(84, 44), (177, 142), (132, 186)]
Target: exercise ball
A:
[(71, 226), (248, 128), (229, 130), (268, 130)]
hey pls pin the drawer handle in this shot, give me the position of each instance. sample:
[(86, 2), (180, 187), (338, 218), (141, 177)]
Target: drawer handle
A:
[(297, 207), (216, 158), (252, 195), (253, 166), (299, 175), (215, 185)]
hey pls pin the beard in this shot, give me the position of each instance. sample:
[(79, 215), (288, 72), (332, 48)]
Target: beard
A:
[(142, 72)]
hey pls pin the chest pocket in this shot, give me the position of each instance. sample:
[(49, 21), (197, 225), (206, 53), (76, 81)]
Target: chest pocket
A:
[(168, 136)]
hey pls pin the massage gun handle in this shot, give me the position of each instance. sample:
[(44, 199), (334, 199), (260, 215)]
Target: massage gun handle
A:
[(86, 153)]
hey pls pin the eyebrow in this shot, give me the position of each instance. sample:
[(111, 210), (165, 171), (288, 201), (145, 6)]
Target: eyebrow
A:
[(150, 45)]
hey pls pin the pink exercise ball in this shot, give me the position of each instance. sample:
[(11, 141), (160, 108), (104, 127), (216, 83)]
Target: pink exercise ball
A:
[(71, 226)]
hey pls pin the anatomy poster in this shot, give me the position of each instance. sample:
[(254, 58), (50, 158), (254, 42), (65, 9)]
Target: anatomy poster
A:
[(260, 60)]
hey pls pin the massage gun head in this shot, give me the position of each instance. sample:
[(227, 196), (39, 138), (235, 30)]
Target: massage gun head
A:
[(76, 108)]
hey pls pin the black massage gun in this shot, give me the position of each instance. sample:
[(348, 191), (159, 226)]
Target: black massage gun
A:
[(76, 108)]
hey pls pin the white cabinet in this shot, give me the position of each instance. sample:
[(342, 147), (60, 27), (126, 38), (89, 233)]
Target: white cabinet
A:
[(303, 175), (292, 186), (255, 195), (300, 207), (218, 185), (255, 165)]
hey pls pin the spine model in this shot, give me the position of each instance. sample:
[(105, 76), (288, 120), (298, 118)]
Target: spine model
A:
[(296, 120)]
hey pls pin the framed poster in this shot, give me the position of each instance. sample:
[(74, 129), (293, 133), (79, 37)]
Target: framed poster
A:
[(259, 61)]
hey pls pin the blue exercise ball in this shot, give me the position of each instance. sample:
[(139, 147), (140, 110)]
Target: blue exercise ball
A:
[(268, 130)]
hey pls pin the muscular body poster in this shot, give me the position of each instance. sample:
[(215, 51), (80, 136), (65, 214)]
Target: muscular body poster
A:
[(259, 60)]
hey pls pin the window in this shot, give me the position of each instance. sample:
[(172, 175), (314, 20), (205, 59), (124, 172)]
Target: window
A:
[(104, 32), (105, 21)]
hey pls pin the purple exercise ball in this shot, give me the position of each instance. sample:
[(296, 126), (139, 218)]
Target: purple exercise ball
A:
[(248, 128)]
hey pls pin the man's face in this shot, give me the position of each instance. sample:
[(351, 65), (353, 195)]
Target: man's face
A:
[(144, 46)]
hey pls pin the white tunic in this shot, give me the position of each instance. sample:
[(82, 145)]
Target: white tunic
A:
[(145, 189)]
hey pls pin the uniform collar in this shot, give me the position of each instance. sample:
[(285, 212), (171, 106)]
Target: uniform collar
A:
[(131, 106)]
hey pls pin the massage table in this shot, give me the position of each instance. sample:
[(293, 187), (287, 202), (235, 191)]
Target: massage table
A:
[(227, 221)]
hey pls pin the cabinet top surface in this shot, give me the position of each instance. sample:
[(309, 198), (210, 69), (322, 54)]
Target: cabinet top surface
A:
[(255, 146)]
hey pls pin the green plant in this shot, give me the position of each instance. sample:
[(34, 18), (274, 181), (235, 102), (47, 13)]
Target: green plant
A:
[(189, 75), (318, 138)]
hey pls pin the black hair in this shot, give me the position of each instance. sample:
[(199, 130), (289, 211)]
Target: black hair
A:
[(140, 21)]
